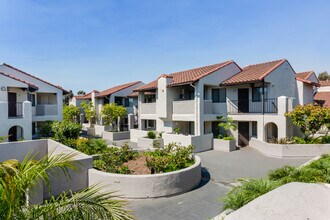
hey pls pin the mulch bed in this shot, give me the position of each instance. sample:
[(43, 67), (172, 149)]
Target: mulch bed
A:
[(138, 166)]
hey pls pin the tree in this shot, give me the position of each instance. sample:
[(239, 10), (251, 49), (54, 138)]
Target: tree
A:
[(111, 113), (19, 180), (324, 76), (226, 124), (71, 113), (309, 118), (90, 112), (81, 92), (67, 98)]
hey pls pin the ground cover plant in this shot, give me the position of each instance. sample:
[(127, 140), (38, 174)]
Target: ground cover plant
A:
[(124, 160), (251, 188)]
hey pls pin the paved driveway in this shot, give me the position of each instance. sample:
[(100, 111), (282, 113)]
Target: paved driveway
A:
[(219, 169)]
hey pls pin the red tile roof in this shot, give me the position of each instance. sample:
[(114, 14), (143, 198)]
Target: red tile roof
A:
[(134, 94), (59, 87), (22, 81), (322, 98), (303, 77), (325, 82), (186, 76), (254, 73), (86, 96), (117, 88)]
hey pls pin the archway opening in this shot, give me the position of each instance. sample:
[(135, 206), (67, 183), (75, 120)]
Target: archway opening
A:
[(15, 133), (271, 131)]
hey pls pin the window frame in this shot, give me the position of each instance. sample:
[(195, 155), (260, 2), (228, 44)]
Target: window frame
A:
[(221, 95)]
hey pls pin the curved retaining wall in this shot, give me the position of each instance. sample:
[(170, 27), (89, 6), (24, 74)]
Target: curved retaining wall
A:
[(149, 186), (289, 150)]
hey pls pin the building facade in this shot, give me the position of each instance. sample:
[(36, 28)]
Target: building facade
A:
[(26, 102)]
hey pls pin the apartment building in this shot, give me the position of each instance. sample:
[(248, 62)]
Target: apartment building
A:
[(322, 95), (256, 97), (26, 101), (122, 95)]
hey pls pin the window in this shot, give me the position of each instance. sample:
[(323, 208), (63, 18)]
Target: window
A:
[(219, 95), (149, 124), (119, 100), (32, 99), (257, 93), (254, 129), (126, 100), (106, 100)]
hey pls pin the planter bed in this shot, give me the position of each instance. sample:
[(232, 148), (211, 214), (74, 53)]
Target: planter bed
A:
[(115, 136), (150, 185), (289, 150), (224, 145)]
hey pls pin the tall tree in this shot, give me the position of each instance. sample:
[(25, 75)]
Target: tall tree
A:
[(81, 92), (324, 76)]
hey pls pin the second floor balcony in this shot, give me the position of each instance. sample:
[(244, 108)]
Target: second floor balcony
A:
[(184, 107), (148, 108), (46, 109), (252, 106)]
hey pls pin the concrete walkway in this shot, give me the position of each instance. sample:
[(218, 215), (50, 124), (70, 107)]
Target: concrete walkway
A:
[(219, 170)]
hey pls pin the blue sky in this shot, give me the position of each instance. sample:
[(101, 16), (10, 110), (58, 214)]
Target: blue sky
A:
[(98, 44)]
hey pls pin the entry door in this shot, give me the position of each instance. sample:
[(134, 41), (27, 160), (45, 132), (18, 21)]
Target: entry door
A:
[(243, 100), (12, 134), (243, 133), (12, 99)]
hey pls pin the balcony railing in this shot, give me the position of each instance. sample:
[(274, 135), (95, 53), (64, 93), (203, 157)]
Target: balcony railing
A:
[(148, 108), (15, 109), (249, 106), (46, 109), (184, 107)]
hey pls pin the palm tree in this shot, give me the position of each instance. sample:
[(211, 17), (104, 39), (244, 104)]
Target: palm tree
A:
[(19, 180)]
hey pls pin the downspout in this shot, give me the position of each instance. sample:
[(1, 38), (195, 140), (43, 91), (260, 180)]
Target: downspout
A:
[(196, 107)]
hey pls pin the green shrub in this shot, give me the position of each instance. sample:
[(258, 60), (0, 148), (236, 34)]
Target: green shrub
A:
[(173, 157), (248, 190), (66, 132), (113, 158), (71, 113), (3, 138), (230, 138), (91, 146), (151, 135), (177, 130), (45, 129), (326, 139)]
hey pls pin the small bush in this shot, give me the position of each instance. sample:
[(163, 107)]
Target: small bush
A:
[(326, 139), (286, 140), (248, 190), (151, 135), (113, 158), (173, 157), (230, 138), (45, 129), (177, 130), (66, 132), (91, 146)]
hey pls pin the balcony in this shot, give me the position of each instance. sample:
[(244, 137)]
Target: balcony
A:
[(184, 107), (46, 109), (148, 108), (249, 106), (208, 107), (15, 109)]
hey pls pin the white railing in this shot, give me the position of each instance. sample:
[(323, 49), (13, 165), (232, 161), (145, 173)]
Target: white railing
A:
[(208, 108), (184, 107), (148, 108), (42, 110)]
